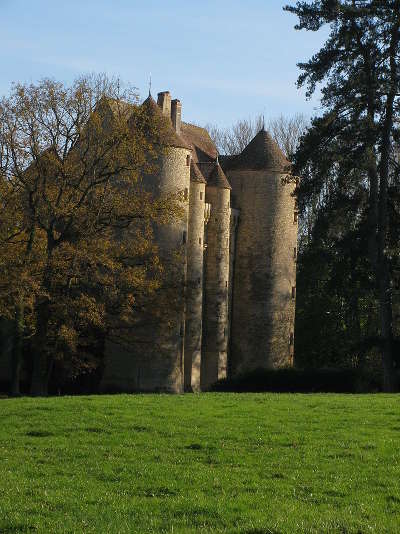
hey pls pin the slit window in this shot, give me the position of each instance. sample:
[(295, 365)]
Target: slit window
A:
[(226, 283), (295, 217), (199, 240), (187, 160), (295, 253), (201, 195), (291, 339), (184, 235), (293, 292)]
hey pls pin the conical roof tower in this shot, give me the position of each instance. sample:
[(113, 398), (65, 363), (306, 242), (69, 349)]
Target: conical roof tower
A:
[(261, 153), (168, 134), (217, 178)]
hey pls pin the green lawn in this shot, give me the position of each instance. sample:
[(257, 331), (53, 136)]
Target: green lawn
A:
[(253, 464)]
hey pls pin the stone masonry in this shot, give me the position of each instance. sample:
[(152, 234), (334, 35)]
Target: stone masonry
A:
[(236, 284)]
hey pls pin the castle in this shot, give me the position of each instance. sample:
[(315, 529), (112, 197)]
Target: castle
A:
[(236, 277)]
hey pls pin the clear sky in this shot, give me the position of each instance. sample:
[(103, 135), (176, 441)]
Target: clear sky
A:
[(224, 59)]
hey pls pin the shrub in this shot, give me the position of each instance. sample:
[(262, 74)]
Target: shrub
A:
[(291, 380)]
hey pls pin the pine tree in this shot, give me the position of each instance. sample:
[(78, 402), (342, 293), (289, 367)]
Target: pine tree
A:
[(348, 152)]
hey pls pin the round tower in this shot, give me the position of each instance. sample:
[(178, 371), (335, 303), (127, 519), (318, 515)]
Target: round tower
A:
[(194, 286), (155, 361), (264, 286), (216, 291), (167, 350)]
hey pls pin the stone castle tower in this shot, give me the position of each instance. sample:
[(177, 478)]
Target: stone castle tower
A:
[(235, 281)]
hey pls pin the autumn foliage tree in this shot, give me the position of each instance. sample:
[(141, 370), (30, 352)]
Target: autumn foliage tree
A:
[(77, 256)]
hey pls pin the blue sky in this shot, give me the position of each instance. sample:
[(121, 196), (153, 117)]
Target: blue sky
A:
[(225, 59)]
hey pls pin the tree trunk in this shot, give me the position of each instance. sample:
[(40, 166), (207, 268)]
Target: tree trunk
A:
[(16, 356), (40, 374)]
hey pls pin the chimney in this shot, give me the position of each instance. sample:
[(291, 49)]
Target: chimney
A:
[(164, 101), (176, 115)]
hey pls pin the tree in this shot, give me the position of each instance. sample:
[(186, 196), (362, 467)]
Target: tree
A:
[(348, 153), (76, 250)]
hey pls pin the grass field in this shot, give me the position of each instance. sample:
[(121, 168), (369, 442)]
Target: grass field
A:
[(256, 463)]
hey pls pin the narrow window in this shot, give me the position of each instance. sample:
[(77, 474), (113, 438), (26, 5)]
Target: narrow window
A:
[(226, 283), (293, 292), (199, 240), (201, 195), (184, 237), (228, 204), (295, 253), (295, 217), (291, 339), (187, 160), (186, 194)]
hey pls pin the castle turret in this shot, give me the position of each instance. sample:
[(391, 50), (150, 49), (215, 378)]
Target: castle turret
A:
[(216, 291), (194, 289), (155, 362), (265, 260)]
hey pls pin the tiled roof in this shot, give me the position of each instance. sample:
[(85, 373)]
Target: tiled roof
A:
[(214, 175), (169, 136), (195, 174), (198, 138), (261, 153)]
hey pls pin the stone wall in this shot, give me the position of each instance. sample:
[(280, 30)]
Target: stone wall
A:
[(153, 361), (194, 287), (215, 326), (265, 270)]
